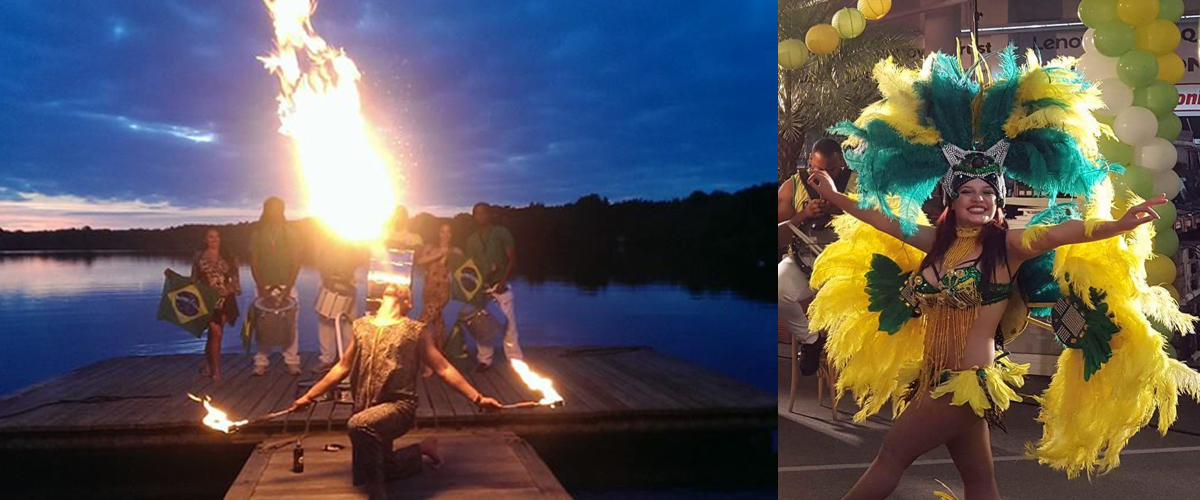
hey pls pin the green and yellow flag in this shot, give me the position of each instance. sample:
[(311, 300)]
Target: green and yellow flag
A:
[(186, 303), (467, 281)]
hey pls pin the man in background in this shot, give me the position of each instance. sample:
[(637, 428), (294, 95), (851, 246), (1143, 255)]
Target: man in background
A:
[(275, 262), (800, 207), (492, 248)]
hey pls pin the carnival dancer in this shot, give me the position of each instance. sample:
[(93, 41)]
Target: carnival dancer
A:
[(918, 314)]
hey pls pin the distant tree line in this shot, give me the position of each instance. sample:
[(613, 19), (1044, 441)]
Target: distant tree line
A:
[(706, 241)]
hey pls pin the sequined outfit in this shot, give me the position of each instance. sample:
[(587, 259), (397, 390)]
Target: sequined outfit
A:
[(383, 380)]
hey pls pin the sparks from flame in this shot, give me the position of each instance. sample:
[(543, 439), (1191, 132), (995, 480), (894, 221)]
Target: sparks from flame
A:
[(216, 418), (348, 178), (537, 382)]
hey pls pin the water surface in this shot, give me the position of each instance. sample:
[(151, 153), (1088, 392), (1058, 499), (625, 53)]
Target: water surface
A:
[(59, 312)]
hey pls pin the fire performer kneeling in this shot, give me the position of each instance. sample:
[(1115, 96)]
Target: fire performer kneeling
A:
[(382, 362)]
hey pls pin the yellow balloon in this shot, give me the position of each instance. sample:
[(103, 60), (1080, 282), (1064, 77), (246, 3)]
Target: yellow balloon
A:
[(1137, 12), (1160, 270), (792, 53), (849, 23), (1158, 37), (875, 9), (822, 39), (1170, 68), (1173, 291)]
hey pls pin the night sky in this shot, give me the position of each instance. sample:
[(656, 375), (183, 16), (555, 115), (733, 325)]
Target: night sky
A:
[(153, 113)]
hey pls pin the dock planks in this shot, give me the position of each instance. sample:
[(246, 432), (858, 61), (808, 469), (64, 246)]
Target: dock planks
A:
[(605, 388), (492, 465)]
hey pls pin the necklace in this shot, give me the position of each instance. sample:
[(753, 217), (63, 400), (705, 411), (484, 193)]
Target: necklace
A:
[(963, 245)]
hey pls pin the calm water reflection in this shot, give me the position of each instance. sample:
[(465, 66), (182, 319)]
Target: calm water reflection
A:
[(61, 312)]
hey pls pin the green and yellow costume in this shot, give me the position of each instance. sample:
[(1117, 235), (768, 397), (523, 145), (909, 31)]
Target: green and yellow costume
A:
[(891, 332)]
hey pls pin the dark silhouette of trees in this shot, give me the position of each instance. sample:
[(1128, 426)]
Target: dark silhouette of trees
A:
[(710, 242)]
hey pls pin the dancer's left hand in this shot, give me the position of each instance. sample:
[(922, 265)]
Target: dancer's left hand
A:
[(1141, 213)]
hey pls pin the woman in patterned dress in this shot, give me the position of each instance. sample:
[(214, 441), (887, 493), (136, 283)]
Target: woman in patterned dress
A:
[(436, 293), (382, 361), (215, 266)]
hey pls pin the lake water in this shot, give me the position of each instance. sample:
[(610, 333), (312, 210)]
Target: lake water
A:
[(62, 312)]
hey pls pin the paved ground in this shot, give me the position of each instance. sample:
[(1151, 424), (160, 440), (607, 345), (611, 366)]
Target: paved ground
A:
[(821, 459)]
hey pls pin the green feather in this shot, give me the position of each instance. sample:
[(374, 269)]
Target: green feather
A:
[(885, 280), (1095, 339), (891, 165)]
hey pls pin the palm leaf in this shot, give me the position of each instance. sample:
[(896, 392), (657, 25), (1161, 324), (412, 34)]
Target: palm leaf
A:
[(832, 88)]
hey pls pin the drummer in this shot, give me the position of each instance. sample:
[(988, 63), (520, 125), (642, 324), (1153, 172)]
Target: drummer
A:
[(801, 207), (337, 300), (275, 262)]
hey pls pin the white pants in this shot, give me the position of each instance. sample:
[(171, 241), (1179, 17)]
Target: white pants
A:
[(512, 349), (327, 335), (794, 290), (291, 353)]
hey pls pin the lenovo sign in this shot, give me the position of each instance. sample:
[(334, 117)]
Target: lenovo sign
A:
[(1189, 99)]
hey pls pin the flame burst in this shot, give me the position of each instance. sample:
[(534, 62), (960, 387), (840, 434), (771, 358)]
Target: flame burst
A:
[(347, 176), (216, 418), (538, 383)]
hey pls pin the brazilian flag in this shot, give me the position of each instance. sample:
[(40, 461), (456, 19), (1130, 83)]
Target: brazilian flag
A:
[(466, 283), (186, 303)]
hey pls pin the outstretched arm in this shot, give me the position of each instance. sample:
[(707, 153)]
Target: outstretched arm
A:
[(823, 183), (335, 375), (1075, 231)]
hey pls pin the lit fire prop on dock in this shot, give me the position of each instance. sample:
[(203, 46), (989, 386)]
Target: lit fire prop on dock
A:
[(537, 383), (352, 184), (217, 418)]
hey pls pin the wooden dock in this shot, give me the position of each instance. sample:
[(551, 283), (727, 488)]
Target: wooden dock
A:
[(137, 400), (483, 464)]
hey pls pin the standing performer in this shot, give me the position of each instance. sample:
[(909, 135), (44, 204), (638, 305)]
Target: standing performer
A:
[(216, 267), (917, 313), (382, 361)]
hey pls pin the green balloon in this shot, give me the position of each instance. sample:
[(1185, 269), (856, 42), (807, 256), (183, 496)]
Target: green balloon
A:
[(1095, 12), (1166, 243), (1136, 179), (1159, 97), (1169, 126), (1115, 151), (1137, 68), (1106, 119), (1170, 10), (1170, 349), (1166, 217), (1114, 38)]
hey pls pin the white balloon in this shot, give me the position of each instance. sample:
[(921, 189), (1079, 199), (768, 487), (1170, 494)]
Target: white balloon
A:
[(1096, 66), (1135, 126), (1116, 96), (1089, 40), (1156, 155), (1167, 182)]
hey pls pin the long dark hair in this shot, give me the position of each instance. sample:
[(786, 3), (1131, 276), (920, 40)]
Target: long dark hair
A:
[(224, 252), (995, 251)]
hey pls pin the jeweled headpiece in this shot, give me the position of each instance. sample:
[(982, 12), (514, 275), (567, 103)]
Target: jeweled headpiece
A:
[(968, 165)]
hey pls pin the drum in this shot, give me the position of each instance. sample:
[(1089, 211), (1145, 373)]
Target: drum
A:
[(331, 305), (274, 320), (482, 325)]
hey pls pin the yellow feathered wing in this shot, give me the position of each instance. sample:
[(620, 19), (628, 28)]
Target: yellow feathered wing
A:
[(1088, 423), (874, 366)]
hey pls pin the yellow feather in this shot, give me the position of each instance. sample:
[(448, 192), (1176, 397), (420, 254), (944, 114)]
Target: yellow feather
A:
[(874, 366)]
